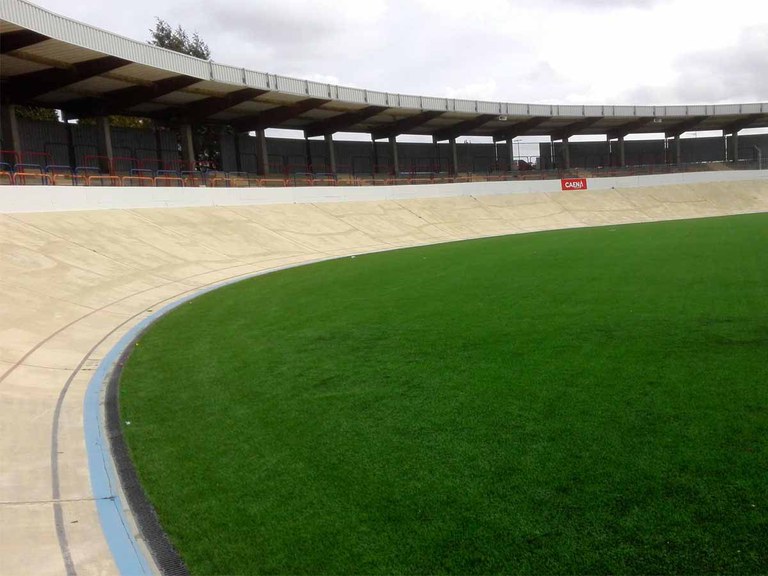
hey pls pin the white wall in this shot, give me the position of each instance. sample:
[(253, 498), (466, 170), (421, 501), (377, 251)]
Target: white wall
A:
[(16, 199)]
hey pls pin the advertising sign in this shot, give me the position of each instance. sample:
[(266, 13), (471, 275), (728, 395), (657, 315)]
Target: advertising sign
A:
[(573, 183)]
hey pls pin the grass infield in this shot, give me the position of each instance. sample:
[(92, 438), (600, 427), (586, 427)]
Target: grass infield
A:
[(580, 401)]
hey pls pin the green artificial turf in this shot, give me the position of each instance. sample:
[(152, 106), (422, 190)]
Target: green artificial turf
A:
[(586, 401)]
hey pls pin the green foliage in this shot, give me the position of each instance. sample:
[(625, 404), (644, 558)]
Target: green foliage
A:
[(130, 122), (572, 402), (178, 40), (36, 113), (121, 122)]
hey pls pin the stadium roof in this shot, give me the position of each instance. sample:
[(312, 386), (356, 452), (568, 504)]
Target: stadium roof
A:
[(53, 61)]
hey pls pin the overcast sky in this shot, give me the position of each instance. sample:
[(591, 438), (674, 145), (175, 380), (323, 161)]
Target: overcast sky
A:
[(532, 51)]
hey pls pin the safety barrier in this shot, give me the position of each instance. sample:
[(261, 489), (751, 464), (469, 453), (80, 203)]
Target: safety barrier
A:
[(39, 158), (274, 182), (28, 167), (169, 181), (37, 178), (101, 178), (137, 181), (430, 179), (61, 175), (219, 182), (9, 157), (303, 179), (243, 181), (23, 173), (192, 178), (324, 179)]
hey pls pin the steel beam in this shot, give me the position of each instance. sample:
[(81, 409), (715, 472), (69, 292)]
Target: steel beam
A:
[(273, 117), (463, 128), (573, 129), (629, 127), (119, 101), (741, 123), (19, 39), (202, 109), (342, 121), (519, 128), (685, 126), (25, 87), (404, 125)]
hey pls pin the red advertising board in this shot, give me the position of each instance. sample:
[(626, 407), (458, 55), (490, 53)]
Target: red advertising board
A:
[(573, 183)]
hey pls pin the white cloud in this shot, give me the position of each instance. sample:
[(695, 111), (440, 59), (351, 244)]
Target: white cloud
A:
[(483, 90), (550, 51)]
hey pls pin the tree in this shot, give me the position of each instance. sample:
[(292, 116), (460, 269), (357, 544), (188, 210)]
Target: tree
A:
[(206, 137), (178, 40), (121, 122), (37, 113)]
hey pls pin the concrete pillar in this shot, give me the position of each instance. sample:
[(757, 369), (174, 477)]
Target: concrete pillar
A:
[(733, 155), (374, 156), (678, 148), (262, 158), (158, 149), (71, 156), (566, 154), (10, 132), (331, 151), (104, 144), (622, 153), (511, 149), (725, 146), (454, 157), (238, 159), (395, 159), (308, 155), (187, 147), (437, 154)]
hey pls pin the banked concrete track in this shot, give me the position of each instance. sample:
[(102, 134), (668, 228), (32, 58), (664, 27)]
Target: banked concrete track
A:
[(73, 282)]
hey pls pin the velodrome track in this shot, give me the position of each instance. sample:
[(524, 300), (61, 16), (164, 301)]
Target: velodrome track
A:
[(75, 277)]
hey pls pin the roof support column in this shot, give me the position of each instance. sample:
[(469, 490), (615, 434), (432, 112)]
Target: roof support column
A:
[(678, 148), (71, 156), (622, 153), (158, 147), (331, 151), (308, 155), (374, 157), (395, 159), (566, 154), (10, 130), (454, 157), (262, 158), (511, 150), (725, 146), (238, 159), (104, 144), (734, 148), (187, 147)]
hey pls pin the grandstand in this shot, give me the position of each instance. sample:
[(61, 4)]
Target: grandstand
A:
[(103, 226)]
